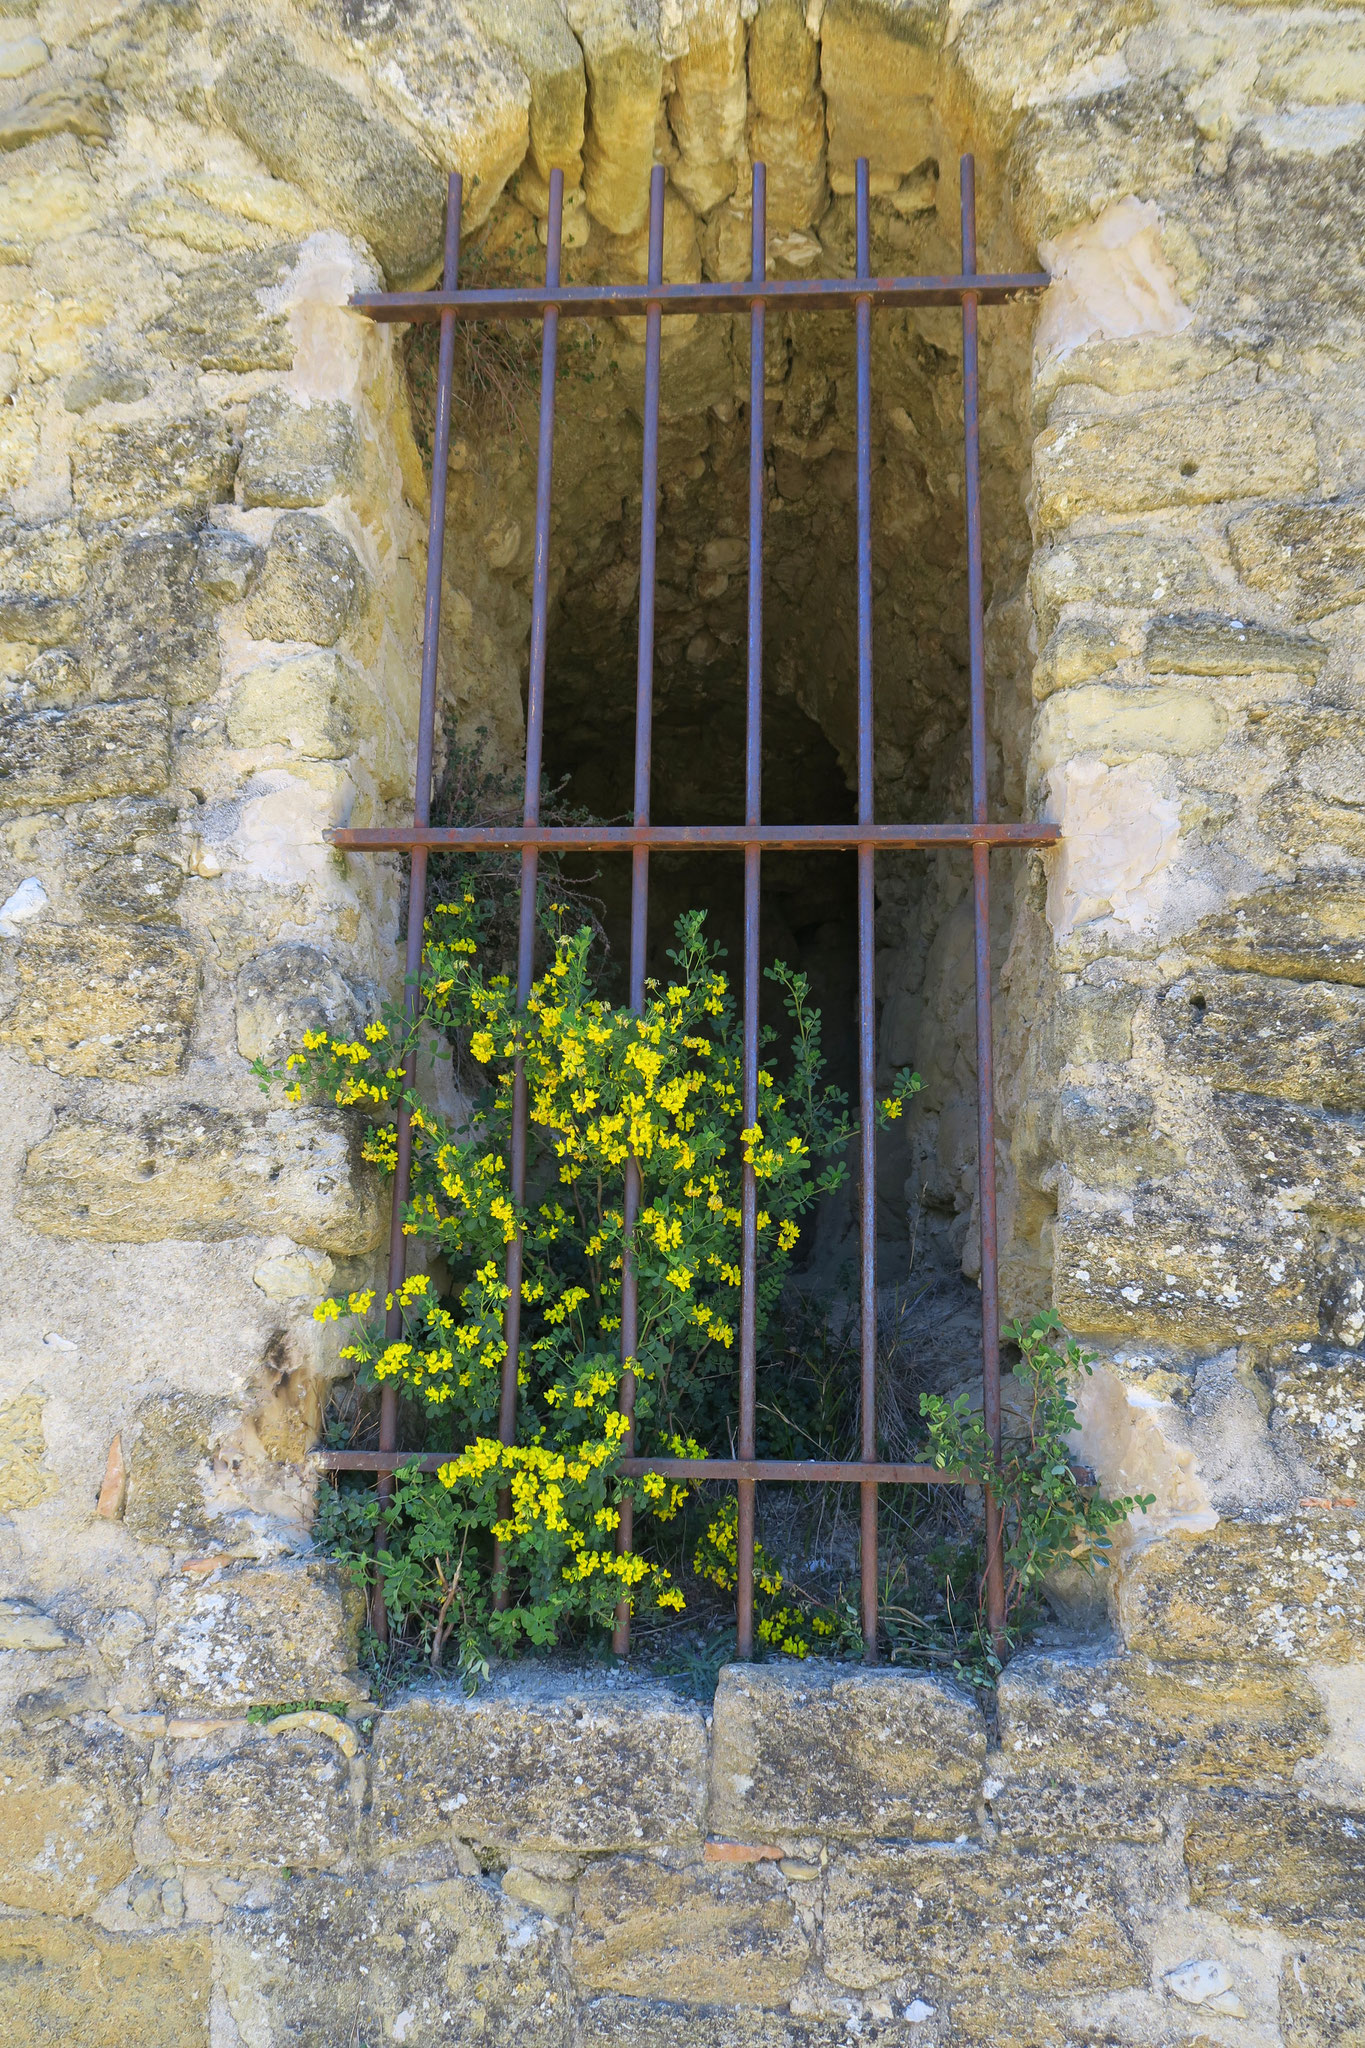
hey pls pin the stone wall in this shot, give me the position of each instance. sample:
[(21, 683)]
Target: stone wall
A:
[(212, 549)]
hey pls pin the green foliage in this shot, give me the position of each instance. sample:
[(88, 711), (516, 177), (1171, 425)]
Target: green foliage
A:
[(262, 1714)]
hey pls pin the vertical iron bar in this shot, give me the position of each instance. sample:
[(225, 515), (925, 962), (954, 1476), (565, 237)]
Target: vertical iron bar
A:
[(753, 798), (639, 879), (417, 869), (535, 727), (981, 912), (867, 908)]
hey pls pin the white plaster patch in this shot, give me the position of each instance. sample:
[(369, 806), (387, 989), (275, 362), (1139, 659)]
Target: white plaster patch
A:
[(28, 900), (278, 831), (1125, 1444), (336, 350), (290, 1271), (1311, 131), (1119, 838), (1110, 280), (1337, 1774)]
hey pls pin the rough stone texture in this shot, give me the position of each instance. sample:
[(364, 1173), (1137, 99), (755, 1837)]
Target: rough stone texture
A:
[(255, 1634), (203, 1172), (1322, 1996), (1291, 1591), (1310, 556), (592, 1765), (309, 585), (364, 170), (166, 1452), (1211, 644), (153, 632), (295, 454), (130, 470), (1301, 1041), (278, 1800), (287, 990), (60, 1984), (822, 1751), (1320, 1402), (725, 1934), (24, 1478), (117, 1004), (1136, 568), (96, 750), (1286, 1861), (68, 1802), (1313, 931), (215, 319), (304, 702), (1303, 1158)]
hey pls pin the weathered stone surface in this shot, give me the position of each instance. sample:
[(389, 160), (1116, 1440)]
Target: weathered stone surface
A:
[(166, 1453), (725, 1933), (1311, 931), (821, 1750), (25, 1627), (1121, 724), (611, 2021), (119, 1004), (1113, 1135), (178, 465), (79, 107), (787, 122), (39, 621), (542, 1765), (1312, 557), (1173, 455), (1156, 1265), (96, 750), (548, 52), (197, 1171), (68, 1801), (1304, 1158), (153, 630), (228, 564), (217, 319), (877, 68), (1070, 156), (295, 454), (1288, 1591), (1301, 1041), (103, 385), (284, 1799), (1320, 1401), (1322, 1997), (625, 77), (256, 1634), (1134, 568), (1212, 644), (1014, 1920), (360, 168), (60, 1985), (309, 585), (305, 702), (24, 1478), (329, 1959), (707, 109), (1283, 1860), (139, 888), (287, 990), (1093, 1716), (1076, 653)]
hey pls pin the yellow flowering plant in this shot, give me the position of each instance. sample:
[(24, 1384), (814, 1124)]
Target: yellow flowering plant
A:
[(603, 1085)]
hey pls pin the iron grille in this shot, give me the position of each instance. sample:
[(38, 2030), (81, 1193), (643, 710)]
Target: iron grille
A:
[(655, 300)]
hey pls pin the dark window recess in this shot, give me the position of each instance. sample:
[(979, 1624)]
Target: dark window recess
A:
[(655, 300)]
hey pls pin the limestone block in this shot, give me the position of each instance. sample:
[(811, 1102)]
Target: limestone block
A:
[(1211, 644), (228, 564), (103, 385), (877, 66), (1282, 1861), (1290, 1590), (1312, 930), (1112, 1135), (1305, 825), (1171, 455), (153, 630), (1322, 1996), (1134, 568), (274, 1800), (39, 621), (1300, 1041), (611, 2021), (296, 454), (95, 1000), (217, 318), (787, 125), (1013, 1920), (79, 107), (1016, 52), (25, 1627), (331, 1958), (139, 888), (539, 1765), (548, 53), (256, 1634), (1320, 1403), (1301, 1158), (1076, 653), (822, 1750), (1095, 1018), (727, 1933), (1093, 1716), (287, 990), (1122, 725), (196, 1171), (309, 585), (1310, 557), (128, 470), (60, 1985), (166, 1453), (305, 702), (625, 78), (68, 1801), (95, 750), (361, 169), (24, 1480), (707, 109), (1070, 157)]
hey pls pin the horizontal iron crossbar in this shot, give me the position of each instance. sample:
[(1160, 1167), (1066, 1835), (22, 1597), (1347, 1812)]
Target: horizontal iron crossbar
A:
[(860, 1472), (694, 838), (604, 301)]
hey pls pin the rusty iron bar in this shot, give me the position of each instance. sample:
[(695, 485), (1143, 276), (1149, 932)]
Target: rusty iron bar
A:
[(609, 301), (693, 838), (417, 870), (981, 920), (969, 290), (639, 872), (746, 1505), (530, 850)]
